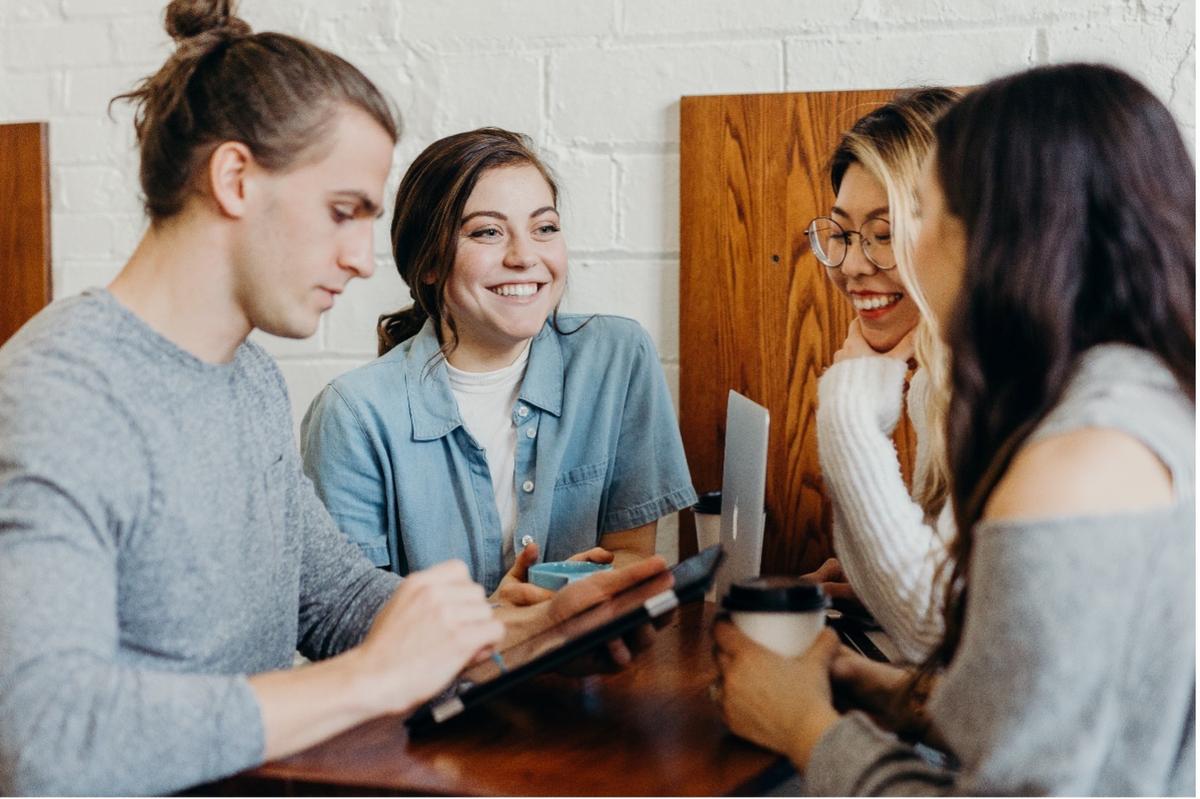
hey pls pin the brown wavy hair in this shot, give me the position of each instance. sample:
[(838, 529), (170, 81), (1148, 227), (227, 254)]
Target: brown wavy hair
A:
[(426, 220), (1077, 196), (276, 94)]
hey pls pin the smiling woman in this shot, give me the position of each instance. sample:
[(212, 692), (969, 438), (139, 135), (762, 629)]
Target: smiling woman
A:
[(510, 268), (490, 418), (865, 273), (889, 541)]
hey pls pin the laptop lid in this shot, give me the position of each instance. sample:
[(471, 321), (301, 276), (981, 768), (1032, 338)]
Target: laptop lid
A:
[(743, 490)]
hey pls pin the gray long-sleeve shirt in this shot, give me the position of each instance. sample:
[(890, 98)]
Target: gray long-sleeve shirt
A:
[(158, 542), (1076, 673)]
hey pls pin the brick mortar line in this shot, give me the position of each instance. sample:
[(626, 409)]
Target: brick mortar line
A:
[(501, 46)]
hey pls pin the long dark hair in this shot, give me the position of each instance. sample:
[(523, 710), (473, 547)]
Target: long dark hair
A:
[(1077, 197), (276, 94), (426, 220)]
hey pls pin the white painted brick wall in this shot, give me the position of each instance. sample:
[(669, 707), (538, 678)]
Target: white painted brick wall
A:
[(647, 291), (470, 90), (587, 191), (649, 210), (57, 44), (507, 24), (629, 94), (868, 60), (595, 82)]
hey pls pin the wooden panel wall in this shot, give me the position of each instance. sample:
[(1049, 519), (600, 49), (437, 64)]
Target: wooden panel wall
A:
[(24, 224), (757, 313)]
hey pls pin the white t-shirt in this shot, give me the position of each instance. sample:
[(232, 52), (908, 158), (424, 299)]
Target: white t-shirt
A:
[(485, 402)]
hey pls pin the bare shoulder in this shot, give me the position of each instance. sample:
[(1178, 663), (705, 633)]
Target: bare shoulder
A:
[(1086, 472)]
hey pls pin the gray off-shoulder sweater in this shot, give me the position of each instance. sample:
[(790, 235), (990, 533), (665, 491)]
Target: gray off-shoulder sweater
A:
[(1076, 673)]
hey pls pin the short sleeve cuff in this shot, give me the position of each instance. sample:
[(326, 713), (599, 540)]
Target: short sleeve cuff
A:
[(649, 511), (376, 553)]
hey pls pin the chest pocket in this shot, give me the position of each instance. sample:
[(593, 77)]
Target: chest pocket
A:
[(575, 515), (279, 528)]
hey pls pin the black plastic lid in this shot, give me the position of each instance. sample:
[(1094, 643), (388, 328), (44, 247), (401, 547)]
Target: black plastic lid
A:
[(775, 594), (709, 503)]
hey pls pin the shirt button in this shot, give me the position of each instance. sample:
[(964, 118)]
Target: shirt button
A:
[(527, 486), (530, 432), (522, 411)]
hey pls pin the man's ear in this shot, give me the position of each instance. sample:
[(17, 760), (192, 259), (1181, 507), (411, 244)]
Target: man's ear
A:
[(228, 170)]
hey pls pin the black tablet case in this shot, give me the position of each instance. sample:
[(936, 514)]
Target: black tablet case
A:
[(582, 633)]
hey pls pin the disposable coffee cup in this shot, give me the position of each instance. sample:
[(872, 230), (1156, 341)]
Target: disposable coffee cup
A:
[(784, 614), (707, 513)]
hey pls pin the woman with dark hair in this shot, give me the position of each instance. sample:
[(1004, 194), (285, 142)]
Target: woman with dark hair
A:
[(492, 428), (1057, 252)]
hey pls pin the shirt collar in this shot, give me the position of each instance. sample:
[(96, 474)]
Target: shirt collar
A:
[(431, 403), (543, 386)]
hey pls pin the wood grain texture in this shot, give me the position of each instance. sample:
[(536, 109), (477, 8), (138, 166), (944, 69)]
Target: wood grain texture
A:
[(24, 224), (757, 313), (650, 730)]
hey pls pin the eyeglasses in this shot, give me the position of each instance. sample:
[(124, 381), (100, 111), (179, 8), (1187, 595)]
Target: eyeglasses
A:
[(830, 242)]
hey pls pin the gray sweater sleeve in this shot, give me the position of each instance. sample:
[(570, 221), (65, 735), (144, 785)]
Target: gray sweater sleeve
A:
[(75, 717), (1033, 702), (341, 590)]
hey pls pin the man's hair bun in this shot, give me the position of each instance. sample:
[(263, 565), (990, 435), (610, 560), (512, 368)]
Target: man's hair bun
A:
[(186, 19)]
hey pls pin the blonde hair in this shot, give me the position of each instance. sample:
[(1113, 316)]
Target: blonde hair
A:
[(891, 144)]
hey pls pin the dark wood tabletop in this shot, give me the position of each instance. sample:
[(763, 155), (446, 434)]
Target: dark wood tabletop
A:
[(648, 730)]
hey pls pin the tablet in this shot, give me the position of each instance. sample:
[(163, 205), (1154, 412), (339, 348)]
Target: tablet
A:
[(569, 639)]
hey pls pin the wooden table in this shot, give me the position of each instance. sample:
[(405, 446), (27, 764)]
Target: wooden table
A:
[(649, 730)]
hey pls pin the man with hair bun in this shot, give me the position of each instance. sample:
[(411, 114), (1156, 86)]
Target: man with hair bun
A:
[(162, 555)]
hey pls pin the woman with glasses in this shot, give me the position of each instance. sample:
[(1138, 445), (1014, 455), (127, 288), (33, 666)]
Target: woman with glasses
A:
[(1058, 254), (889, 543)]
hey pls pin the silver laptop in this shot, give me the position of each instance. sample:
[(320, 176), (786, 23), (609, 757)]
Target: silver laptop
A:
[(743, 491)]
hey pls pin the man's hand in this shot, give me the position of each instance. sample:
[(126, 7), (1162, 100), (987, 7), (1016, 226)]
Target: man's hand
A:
[(436, 623)]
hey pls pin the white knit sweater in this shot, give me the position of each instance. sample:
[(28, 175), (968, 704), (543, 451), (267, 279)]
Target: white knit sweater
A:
[(887, 550)]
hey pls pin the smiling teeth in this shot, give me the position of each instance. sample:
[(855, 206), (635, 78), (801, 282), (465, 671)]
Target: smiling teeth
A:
[(516, 289), (872, 303)]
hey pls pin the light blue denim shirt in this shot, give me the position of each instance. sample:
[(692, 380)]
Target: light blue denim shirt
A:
[(598, 451)]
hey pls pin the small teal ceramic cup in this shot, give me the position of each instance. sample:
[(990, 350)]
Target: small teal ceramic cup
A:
[(556, 574)]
